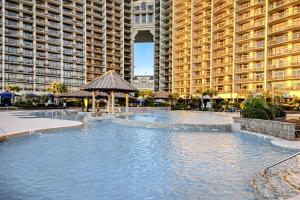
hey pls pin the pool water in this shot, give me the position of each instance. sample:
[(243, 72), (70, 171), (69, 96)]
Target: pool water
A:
[(111, 162), (183, 117)]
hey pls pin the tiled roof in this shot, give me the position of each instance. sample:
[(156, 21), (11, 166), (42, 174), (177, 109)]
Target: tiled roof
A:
[(80, 94), (161, 95), (87, 94), (110, 81)]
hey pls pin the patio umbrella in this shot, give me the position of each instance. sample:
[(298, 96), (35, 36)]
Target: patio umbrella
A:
[(31, 95), (50, 95), (6, 95)]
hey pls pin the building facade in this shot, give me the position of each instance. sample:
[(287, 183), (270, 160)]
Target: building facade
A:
[(143, 82), (69, 41), (143, 23), (163, 45), (236, 47)]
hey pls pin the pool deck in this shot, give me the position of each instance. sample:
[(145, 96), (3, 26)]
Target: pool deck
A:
[(18, 123)]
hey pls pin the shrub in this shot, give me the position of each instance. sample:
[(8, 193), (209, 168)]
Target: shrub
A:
[(74, 103), (279, 112), (258, 109)]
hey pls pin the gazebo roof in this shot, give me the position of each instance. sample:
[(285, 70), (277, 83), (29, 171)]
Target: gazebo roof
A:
[(119, 95), (110, 81), (80, 94), (161, 95), (87, 94)]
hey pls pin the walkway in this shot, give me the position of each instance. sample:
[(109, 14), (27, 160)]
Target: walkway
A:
[(15, 123)]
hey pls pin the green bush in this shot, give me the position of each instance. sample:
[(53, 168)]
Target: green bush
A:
[(279, 112), (74, 103), (258, 109), (179, 107)]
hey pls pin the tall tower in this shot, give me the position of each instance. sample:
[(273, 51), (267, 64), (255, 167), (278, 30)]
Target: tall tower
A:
[(163, 45), (109, 38), (69, 41)]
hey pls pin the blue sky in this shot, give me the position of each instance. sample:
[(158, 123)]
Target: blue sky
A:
[(143, 58)]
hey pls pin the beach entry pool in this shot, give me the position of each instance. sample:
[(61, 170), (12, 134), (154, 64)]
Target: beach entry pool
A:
[(112, 161)]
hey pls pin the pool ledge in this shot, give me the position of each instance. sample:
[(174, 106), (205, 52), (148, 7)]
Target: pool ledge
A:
[(6, 136), (196, 127), (274, 140), (15, 124)]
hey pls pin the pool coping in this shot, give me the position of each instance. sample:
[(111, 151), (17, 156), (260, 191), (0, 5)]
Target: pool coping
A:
[(6, 136), (226, 127)]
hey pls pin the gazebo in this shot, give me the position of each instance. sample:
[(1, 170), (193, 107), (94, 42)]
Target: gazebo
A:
[(161, 95), (110, 83)]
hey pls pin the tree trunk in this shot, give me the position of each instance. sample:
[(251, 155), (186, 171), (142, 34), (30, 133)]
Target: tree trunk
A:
[(202, 102)]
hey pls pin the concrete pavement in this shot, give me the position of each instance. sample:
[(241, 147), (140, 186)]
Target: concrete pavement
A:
[(14, 123)]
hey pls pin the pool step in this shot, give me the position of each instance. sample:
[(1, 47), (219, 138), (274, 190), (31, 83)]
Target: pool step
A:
[(277, 184)]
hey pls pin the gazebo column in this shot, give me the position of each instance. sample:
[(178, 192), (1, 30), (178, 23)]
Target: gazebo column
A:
[(94, 102), (108, 103), (86, 104), (112, 102), (126, 101)]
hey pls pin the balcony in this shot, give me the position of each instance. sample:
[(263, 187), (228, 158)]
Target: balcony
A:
[(284, 28), (245, 6), (282, 3), (278, 16)]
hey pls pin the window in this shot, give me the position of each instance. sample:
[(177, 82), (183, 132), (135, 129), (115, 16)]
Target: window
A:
[(143, 6), (12, 13), (11, 22), (150, 7), (11, 49), (144, 19), (150, 18), (136, 19)]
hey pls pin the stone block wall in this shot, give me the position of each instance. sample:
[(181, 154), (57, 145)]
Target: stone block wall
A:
[(269, 127)]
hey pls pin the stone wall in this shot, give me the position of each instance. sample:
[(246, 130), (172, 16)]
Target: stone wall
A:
[(148, 109), (269, 127)]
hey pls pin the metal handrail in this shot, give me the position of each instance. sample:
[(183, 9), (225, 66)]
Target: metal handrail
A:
[(277, 163)]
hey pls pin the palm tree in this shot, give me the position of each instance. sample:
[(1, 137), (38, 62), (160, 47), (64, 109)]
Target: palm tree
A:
[(145, 93), (57, 88), (13, 88), (211, 93), (201, 92)]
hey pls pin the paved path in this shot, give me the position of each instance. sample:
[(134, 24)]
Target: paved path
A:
[(20, 122)]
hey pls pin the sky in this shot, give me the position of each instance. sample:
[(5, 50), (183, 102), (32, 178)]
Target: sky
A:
[(143, 58)]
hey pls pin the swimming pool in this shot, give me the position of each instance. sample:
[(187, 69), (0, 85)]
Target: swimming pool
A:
[(183, 117), (113, 161)]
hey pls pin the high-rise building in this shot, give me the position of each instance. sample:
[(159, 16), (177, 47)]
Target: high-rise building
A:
[(236, 47), (70, 41), (163, 45)]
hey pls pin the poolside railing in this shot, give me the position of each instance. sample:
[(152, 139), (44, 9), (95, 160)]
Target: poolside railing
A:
[(281, 161)]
